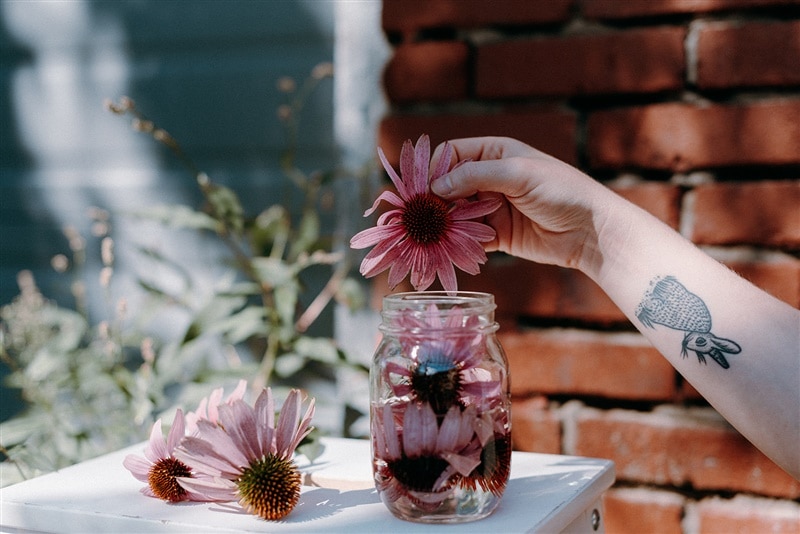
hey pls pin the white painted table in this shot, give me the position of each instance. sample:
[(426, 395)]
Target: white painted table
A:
[(546, 493)]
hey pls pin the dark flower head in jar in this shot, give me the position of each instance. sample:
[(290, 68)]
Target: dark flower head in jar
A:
[(441, 360), (422, 459)]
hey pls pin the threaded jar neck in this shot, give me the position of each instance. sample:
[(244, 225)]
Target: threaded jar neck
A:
[(429, 311)]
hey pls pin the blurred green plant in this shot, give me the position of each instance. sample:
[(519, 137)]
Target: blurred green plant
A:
[(93, 388)]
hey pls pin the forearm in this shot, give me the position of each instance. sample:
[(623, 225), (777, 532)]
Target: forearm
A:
[(738, 346)]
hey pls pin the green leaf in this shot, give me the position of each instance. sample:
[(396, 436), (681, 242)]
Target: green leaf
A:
[(208, 318), (307, 234), (273, 272), (244, 324), (178, 216), (317, 348), (288, 364), (226, 207)]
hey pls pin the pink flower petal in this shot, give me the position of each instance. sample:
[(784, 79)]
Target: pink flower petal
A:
[(398, 183), (389, 197), (422, 157), (407, 164), (176, 432), (138, 466), (157, 447), (444, 162), (216, 489), (471, 210)]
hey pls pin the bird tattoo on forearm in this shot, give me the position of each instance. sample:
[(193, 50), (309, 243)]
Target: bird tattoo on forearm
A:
[(667, 302)]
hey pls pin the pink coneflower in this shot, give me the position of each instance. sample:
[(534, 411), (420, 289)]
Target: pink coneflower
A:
[(209, 406), (246, 457), (425, 234), (159, 468), (441, 369), (423, 460)]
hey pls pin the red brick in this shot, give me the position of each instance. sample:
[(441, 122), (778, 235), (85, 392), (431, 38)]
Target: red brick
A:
[(615, 9), (679, 446), (634, 61), (660, 199), (526, 289), (535, 428), (757, 213), (404, 16), (745, 515), (575, 362), (549, 130), (755, 54), (428, 71), (680, 137), (639, 510)]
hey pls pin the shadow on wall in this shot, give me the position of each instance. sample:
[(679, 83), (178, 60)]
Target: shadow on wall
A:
[(207, 74)]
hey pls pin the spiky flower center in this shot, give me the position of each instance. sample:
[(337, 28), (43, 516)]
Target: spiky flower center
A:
[(162, 479), (417, 474), (437, 381), (495, 467), (425, 218), (270, 487)]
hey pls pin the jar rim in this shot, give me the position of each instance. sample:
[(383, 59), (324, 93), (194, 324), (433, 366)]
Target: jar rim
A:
[(473, 301)]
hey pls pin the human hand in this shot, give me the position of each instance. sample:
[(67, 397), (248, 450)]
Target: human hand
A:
[(550, 212)]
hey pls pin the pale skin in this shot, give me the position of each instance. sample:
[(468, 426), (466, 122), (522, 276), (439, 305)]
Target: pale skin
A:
[(553, 213)]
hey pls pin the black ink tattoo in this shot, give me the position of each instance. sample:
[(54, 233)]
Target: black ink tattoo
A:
[(670, 304)]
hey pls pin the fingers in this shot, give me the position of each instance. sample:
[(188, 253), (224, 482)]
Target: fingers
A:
[(500, 168), (485, 148), (506, 176)]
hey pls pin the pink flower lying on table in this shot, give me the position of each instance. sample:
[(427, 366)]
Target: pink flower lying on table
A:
[(246, 457), (159, 468), (424, 234)]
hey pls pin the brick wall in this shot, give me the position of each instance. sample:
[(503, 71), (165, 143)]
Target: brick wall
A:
[(689, 108)]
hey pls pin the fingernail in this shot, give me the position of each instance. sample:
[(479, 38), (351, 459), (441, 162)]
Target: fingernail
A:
[(442, 186)]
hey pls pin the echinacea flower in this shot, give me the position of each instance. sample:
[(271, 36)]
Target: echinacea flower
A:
[(424, 234), (246, 457), (442, 370), (422, 460), (159, 468), (209, 406)]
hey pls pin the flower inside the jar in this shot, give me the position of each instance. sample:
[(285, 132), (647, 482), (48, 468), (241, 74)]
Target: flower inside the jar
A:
[(436, 379), (418, 474)]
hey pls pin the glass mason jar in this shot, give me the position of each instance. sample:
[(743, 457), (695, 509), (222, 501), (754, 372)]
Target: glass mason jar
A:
[(440, 416)]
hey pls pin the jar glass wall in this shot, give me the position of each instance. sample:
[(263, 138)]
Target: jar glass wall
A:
[(440, 407)]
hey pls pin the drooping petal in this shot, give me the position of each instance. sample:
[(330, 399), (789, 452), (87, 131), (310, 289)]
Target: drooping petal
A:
[(474, 230), (215, 489), (389, 197), (138, 466), (398, 271), (464, 209), (398, 183), (375, 235), (447, 276)]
